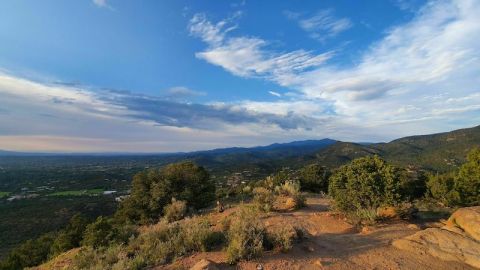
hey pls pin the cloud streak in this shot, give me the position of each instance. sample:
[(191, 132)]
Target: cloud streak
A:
[(110, 120), (323, 25)]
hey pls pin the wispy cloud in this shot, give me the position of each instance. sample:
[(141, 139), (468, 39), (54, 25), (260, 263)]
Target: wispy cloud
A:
[(273, 93), (102, 3), (407, 5), (181, 92), (321, 26), (249, 56)]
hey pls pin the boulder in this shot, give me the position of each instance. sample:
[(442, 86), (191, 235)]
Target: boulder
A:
[(467, 220), (205, 264), (458, 240)]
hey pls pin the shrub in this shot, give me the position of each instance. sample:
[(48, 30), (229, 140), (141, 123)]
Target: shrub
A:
[(246, 236), (104, 232), (366, 183), (71, 236), (175, 211), (153, 189), (462, 188), (467, 182), (263, 199), (159, 244), (441, 188), (292, 189), (282, 237), (31, 253), (314, 178)]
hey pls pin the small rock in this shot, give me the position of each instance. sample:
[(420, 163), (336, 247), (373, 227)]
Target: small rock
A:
[(309, 248), (387, 212), (205, 264), (366, 230), (291, 203), (413, 226), (318, 263)]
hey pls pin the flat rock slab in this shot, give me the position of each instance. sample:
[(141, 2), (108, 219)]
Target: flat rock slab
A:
[(468, 220), (444, 244)]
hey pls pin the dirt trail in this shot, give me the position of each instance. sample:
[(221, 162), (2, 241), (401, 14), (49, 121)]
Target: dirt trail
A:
[(332, 243)]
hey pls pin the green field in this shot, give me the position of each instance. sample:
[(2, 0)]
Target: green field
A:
[(4, 194), (85, 192)]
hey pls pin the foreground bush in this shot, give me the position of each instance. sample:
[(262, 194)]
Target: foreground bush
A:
[(153, 189), (246, 236), (36, 251), (175, 211), (263, 199), (467, 182), (366, 184), (441, 187), (291, 189), (31, 253), (462, 188), (314, 178), (104, 232), (282, 237), (159, 244)]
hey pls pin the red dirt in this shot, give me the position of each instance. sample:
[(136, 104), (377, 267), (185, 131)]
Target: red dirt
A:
[(331, 243)]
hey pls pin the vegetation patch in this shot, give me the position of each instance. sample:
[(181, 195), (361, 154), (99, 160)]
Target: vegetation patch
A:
[(366, 184), (246, 236), (85, 192), (4, 194)]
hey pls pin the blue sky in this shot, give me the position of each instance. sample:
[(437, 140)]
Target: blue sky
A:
[(163, 76)]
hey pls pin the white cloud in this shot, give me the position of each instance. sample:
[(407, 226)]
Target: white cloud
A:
[(249, 56), (323, 25), (273, 93), (102, 3), (407, 5), (436, 54), (181, 92)]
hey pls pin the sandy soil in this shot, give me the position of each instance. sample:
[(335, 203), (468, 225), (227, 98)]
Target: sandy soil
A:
[(331, 243)]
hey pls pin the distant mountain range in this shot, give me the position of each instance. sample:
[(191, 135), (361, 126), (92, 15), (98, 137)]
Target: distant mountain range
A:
[(441, 152)]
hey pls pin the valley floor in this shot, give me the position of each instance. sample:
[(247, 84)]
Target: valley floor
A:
[(331, 243)]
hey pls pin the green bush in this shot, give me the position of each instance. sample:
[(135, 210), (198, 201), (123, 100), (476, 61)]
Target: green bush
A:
[(36, 251), (282, 237), (71, 236), (441, 188), (31, 253), (159, 244), (366, 183), (246, 236), (314, 178), (175, 211), (263, 199), (467, 182), (153, 189), (104, 231), (461, 188)]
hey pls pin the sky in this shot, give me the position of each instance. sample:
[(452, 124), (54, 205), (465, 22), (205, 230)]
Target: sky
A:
[(184, 75)]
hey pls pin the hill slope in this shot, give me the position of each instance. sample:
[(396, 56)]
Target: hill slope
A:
[(439, 152)]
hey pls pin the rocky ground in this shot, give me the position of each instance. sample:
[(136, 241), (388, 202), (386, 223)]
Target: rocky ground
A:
[(332, 243)]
